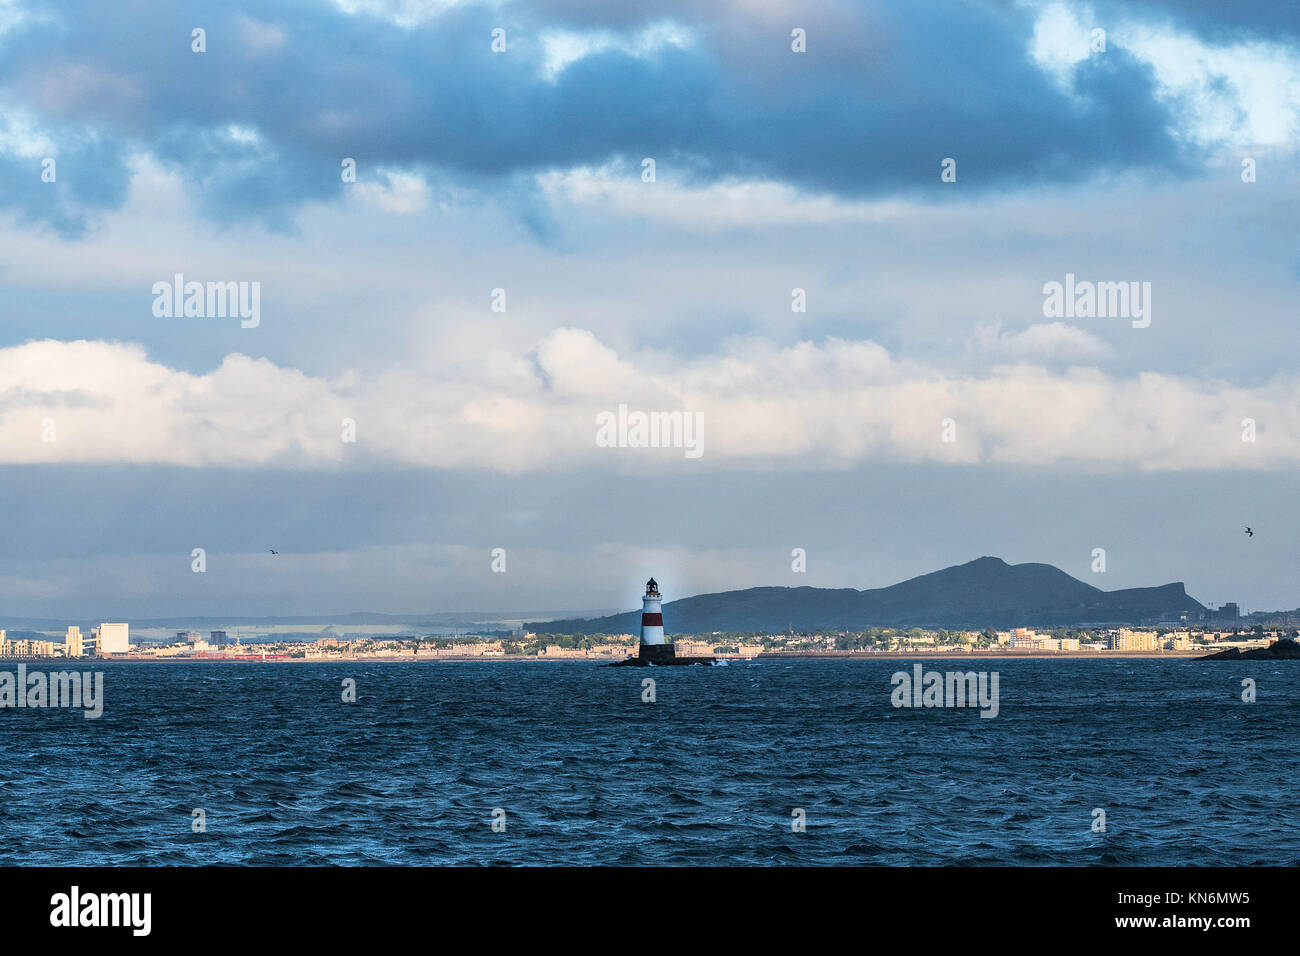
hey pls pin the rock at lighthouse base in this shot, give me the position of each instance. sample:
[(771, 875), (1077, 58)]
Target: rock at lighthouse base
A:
[(659, 655)]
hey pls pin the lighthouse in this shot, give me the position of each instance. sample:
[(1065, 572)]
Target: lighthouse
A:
[(654, 649), (652, 615)]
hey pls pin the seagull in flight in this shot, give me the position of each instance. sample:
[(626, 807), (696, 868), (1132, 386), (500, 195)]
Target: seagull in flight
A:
[(1249, 533)]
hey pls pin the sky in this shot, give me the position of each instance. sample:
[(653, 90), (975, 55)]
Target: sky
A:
[(474, 231)]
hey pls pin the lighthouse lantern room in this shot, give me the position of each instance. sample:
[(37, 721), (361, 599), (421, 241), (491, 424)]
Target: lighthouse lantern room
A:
[(652, 618)]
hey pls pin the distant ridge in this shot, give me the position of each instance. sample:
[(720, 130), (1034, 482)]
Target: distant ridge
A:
[(986, 592)]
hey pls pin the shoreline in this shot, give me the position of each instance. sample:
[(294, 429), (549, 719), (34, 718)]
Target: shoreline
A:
[(1001, 653), (964, 656)]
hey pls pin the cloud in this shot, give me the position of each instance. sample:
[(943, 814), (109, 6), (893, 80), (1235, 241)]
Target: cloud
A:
[(713, 92), (88, 174), (810, 406), (260, 39), (1044, 340), (617, 189), (564, 47), (868, 111), (403, 13), (1225, 90), (1213, 19), (394, 191)]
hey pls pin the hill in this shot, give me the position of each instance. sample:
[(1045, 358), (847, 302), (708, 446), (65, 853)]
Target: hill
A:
[(986, 592)]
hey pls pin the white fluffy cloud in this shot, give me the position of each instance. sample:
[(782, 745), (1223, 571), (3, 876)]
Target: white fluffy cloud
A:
[(806, 406), (398, 192), (1042, 340)]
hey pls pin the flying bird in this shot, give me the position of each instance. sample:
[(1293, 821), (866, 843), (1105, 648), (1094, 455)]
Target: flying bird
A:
[(273, 551), (1249, 532)]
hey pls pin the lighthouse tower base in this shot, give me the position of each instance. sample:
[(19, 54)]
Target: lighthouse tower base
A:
[(657, 653)]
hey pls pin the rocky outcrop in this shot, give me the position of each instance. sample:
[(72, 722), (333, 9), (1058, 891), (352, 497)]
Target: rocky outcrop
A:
[(1283, 650), (660, 655)]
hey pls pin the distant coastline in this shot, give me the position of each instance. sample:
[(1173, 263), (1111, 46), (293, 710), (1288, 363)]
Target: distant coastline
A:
[(57, 663)]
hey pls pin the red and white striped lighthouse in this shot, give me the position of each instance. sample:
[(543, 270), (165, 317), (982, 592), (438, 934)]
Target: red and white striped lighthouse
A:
[(655, 650), (652, 618)]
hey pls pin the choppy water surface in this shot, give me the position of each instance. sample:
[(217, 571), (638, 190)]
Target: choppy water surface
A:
[(710, 773)]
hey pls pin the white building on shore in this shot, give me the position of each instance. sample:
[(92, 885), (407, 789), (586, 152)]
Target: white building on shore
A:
[(112, 638)]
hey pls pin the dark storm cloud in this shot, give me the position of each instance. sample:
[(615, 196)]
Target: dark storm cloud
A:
[(86, 175), (882, 96)]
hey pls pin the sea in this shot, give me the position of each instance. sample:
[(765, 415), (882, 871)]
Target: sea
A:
[(761, 763)]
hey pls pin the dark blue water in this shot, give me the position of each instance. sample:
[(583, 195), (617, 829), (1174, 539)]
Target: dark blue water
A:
[(710, 773)]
